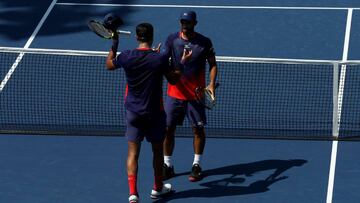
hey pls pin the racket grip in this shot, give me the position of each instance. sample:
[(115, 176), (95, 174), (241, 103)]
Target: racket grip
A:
[(124, 32)]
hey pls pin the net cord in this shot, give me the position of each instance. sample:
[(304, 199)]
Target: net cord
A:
[(229, 59)]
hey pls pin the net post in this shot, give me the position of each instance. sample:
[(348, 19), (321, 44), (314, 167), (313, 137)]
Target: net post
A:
[(336, 123)]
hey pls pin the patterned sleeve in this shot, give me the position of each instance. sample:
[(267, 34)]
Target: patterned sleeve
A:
[(119, 60)]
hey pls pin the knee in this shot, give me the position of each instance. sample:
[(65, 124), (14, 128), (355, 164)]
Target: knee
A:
[(199, 131), (170, 131)]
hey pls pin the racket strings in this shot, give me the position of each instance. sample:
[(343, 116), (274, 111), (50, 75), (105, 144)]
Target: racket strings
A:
[(101, 30), (209, 94), (209, 98)]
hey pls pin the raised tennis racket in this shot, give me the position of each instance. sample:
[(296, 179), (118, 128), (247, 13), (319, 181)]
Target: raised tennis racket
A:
[(99, 29), (205, 97)]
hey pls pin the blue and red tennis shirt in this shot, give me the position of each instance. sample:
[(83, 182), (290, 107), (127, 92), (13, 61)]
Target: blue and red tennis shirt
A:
[(144, 70), (194, 71)]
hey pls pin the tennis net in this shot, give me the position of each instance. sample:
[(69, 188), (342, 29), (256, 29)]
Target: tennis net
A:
[(71, 93)]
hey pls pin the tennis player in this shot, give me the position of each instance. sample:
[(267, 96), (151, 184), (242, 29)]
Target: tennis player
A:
[(145, 116), (181, 100)]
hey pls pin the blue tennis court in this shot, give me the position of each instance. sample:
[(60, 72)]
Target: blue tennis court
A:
[(84, 160)]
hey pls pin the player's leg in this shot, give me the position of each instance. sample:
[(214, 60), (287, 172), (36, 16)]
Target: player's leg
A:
[(158, 162), (175, 114), (169, 142), (197, 116), (134, 136), (169, 145), (132, 166), (199, 141), (160, 189), (156, 135)]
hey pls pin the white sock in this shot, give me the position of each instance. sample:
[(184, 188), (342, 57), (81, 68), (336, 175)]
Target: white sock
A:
[(167, 160), (197, 159)]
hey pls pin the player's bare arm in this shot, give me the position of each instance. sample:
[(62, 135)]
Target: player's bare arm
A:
[(213, 73)]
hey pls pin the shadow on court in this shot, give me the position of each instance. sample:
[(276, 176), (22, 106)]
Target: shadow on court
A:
[(18, 19), (230, 186)]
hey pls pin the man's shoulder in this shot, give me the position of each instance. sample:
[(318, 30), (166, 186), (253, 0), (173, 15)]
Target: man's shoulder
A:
[(173, 36), (203, 37), (125, 52), (131, 53), (157, 55), (128, 55)]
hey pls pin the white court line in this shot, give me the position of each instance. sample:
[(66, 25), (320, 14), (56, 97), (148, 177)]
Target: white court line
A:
[(27, 45), (204, 6), (332, 172), (341, 89)]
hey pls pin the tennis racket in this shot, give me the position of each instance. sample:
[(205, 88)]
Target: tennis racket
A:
[(99, 29), (205, 97)]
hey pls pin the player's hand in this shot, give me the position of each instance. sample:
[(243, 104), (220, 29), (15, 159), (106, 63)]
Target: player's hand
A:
[(186, 57), (115, 35), (157, 49), (211, 88)]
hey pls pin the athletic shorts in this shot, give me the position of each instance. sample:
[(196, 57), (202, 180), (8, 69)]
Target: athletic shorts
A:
[(151, 126), (176, 110)]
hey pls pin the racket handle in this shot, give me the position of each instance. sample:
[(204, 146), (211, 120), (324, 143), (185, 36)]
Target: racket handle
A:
[(124, 32)]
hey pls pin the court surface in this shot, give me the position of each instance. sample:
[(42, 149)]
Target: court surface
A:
[(76, 169)]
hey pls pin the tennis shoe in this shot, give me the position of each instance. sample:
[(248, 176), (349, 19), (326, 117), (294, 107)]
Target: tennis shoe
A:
[(166, 190), (196, 173), (168, 172), (133, 199)]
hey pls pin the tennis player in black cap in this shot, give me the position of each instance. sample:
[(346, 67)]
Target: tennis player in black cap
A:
[(181, 99)]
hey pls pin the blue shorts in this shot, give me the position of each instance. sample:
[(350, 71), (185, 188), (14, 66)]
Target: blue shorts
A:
[(176, 110), (151, 126)]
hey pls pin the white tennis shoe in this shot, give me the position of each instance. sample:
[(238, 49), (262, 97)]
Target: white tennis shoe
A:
[(167, 189), (133, 199)]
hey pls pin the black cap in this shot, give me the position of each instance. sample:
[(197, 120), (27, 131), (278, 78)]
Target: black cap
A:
[(112, 21), (188, 15)]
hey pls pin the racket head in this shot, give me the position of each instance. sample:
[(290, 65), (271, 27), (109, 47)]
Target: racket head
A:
[(205, 97), (99, 29)]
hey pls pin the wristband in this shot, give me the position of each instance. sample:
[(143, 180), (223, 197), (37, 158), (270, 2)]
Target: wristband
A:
[(115, 44)]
